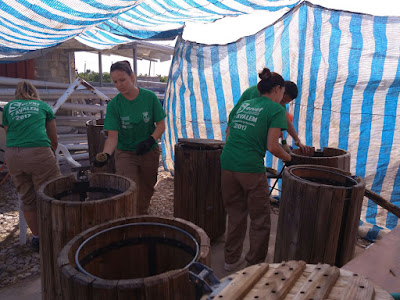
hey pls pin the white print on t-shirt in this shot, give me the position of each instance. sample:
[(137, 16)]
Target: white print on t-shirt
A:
[(250, 110), (23, 110), (125, 123), (246, 116), (146, 117)]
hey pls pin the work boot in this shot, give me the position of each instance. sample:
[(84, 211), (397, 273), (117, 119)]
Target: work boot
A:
[(231, 267)]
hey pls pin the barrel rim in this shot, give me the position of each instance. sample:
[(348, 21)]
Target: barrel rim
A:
[(200, 144), (345, 153), (45, 197), (82, 270), (331, 170), (63, 261)]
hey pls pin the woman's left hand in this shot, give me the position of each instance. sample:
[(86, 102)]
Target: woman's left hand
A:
[(304, 148), (145, 146)]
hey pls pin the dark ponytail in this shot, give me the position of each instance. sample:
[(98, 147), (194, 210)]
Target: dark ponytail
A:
[(268, 81), (122, 65)]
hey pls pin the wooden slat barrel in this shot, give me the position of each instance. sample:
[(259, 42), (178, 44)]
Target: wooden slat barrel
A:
[(144, 257), (96, 139), (197, 184), (62, 215), (331, 157), (319, 215), (297, 280)]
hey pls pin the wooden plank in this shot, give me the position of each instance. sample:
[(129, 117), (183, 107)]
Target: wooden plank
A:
[(359, 288), (337, 292), (104, 289), (318, 285), (177, 280), (30, 69), (82, 287), (21, 69), (58, 240), (156, 286), (351, 224), (73, 218), (12, 70), (46, 248), (243, 282), (309, 212), (67, 274), (277, 285), (383, 202), (131, 289), (335, 221), (88, 215), (3, 70), (322, 226)]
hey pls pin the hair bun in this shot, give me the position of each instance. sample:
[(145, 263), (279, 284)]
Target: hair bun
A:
[(265, 74)]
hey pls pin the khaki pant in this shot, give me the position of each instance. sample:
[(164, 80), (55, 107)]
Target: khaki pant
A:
[(243, 194), (29, 169), (143, 170)]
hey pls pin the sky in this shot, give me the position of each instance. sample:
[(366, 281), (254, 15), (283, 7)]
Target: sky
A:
[(90, 61)]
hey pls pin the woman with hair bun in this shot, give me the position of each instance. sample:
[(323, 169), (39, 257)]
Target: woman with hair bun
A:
[(290, 94), (255, 127)]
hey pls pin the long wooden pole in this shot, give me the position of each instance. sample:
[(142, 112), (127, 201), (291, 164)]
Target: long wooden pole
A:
[(382, 202)]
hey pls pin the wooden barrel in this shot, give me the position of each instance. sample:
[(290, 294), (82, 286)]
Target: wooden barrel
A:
[(67, 207), (197, 184), (96, 138), (331, 157), (319, 215), (144, 257), (297, 280)]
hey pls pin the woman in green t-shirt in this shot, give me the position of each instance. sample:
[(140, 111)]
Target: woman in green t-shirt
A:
[(135, 121), (255, 127), (31, 135)]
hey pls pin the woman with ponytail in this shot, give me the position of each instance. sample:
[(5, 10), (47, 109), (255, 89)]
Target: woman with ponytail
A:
[(31, 139), (255, 127)]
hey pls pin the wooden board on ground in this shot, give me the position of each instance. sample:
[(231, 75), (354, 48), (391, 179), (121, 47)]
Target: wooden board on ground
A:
[(297, 280), (380, 263)]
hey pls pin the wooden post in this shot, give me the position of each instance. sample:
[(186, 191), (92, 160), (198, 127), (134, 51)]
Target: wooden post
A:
[(197, 184), (319, 215)]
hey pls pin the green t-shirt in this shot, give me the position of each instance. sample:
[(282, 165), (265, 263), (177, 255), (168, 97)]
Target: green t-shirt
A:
[(245, 148), (133, 119), (250, 93), (26, 121)]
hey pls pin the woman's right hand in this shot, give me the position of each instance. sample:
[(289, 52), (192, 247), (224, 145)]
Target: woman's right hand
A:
[(289, 162), (101, 159)]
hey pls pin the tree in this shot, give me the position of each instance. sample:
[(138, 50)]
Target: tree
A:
[(94, 76)]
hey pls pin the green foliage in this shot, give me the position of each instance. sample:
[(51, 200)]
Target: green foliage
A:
[(95, 76), (163, 78), (90, 75)]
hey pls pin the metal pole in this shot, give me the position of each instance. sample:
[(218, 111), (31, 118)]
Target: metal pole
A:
[(100, 70), (69, 68), (134, 60), (149, 67), (101, 83), (279, 176)]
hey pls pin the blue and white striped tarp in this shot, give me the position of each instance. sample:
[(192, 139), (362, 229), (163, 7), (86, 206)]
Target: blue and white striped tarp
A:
[(346, 66), (28, 25)]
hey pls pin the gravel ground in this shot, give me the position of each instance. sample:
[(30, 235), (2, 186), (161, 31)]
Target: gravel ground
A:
[(18, 261)]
